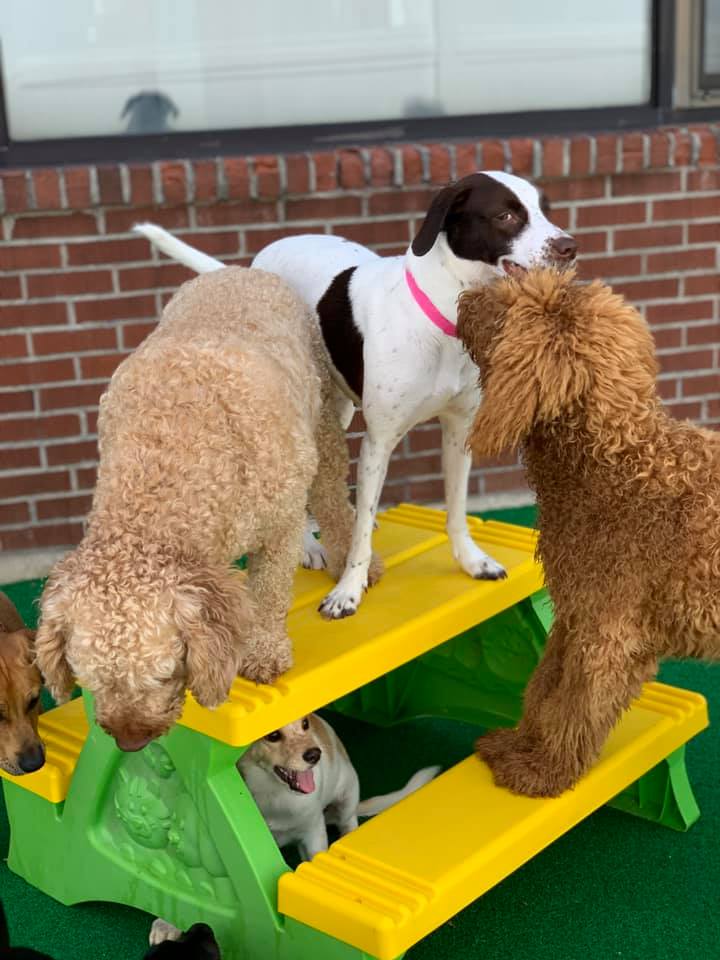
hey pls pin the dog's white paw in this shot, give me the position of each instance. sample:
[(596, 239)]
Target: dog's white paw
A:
[(343, 600), (477, 564), (314, 556), (161, 931)]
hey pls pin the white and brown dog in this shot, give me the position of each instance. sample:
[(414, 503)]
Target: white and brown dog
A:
[(389, 325), (302, 781)]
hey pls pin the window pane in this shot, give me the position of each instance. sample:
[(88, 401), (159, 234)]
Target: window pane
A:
[(99, 67), (711, 45)]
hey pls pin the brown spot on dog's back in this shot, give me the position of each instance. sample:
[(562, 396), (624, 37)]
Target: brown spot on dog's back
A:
[(342, 338)]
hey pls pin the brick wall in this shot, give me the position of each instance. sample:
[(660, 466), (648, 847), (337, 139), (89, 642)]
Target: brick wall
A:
[(78, 292)]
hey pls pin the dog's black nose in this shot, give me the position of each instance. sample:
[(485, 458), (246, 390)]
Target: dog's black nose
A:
[(564, 248), (312, 755), (32, 758)]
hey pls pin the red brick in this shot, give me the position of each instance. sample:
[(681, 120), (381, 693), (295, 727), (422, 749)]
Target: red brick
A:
[(86, 478), (379, 231), (14, 513), (648, 289), (324, 208), (17, 458), (29, 257), (77, 187), (605, 153), (610, 213), (229, 214), (427, 438), (63, 507), (633, 150), (689, 360), (402, 467), (12, 345), (702, 258), (666, 337), (115, 308), (686, 208), (553, 157), (75, 341), (174, 182), (205, 180), (381, 167), (52, 535), (699, 285), (267, 177), (109, 185), (160, 275), (522, 156), (121, 221), (92, 416), (561, 217), (25, 484), (32, 314), (297, 173), (39, 428), (67, 283), (107, 251), (255, 240), (352, 170), (465, 159), (412, 166), (648, 237), (77, 395), (10, 288), (677, 312), (667, 389), (60, 225), (60, 454), (579, 156), (133, 334), (15, 190), (639, 184), (705, 333), (421, 491), (237, 177), (46, 186), (713, 408), (440, 172), (703, 180), (102, 366), (596, 242), (406, 201), (659, 149), (708, 145), (326, 171), (141, 185), (493, 155), (222, 243), (686, 411), (698, 386), (585, 188), (609, 267), (505, 480), (36, 371), (704, 232), (683, 148), (16, 402)]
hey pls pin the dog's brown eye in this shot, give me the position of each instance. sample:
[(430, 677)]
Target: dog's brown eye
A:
[(32, 703), (274, 736), (505, 217), (306, 724)]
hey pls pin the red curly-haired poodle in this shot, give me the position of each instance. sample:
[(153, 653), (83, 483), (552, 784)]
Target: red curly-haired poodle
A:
[(628, 510)]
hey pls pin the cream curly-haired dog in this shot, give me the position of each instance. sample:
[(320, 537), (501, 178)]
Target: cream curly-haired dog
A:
[(628, 510), (211, 434)]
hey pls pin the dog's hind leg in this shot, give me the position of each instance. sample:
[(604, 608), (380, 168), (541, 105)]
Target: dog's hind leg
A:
[(456, 471)]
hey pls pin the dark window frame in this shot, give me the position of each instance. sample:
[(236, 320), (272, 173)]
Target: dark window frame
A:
[(302, 138)]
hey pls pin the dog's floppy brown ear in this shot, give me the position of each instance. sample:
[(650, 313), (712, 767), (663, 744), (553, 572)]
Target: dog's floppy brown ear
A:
[(435, 218), (213, 614), (51, 637)]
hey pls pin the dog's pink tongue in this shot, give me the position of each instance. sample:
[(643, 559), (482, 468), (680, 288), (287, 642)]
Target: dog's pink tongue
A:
[(305, 781)]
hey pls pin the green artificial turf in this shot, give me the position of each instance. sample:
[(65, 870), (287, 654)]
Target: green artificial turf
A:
[(614, 887)]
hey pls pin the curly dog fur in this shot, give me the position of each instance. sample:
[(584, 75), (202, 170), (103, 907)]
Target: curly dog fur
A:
[(210, 438), (628, 511)]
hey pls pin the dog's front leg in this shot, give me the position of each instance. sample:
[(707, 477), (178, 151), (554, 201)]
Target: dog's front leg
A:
[(456, 471), (345, 598), (314, 840)]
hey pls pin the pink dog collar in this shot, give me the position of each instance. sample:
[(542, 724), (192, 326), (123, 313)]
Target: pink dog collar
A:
[(428, 307)]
